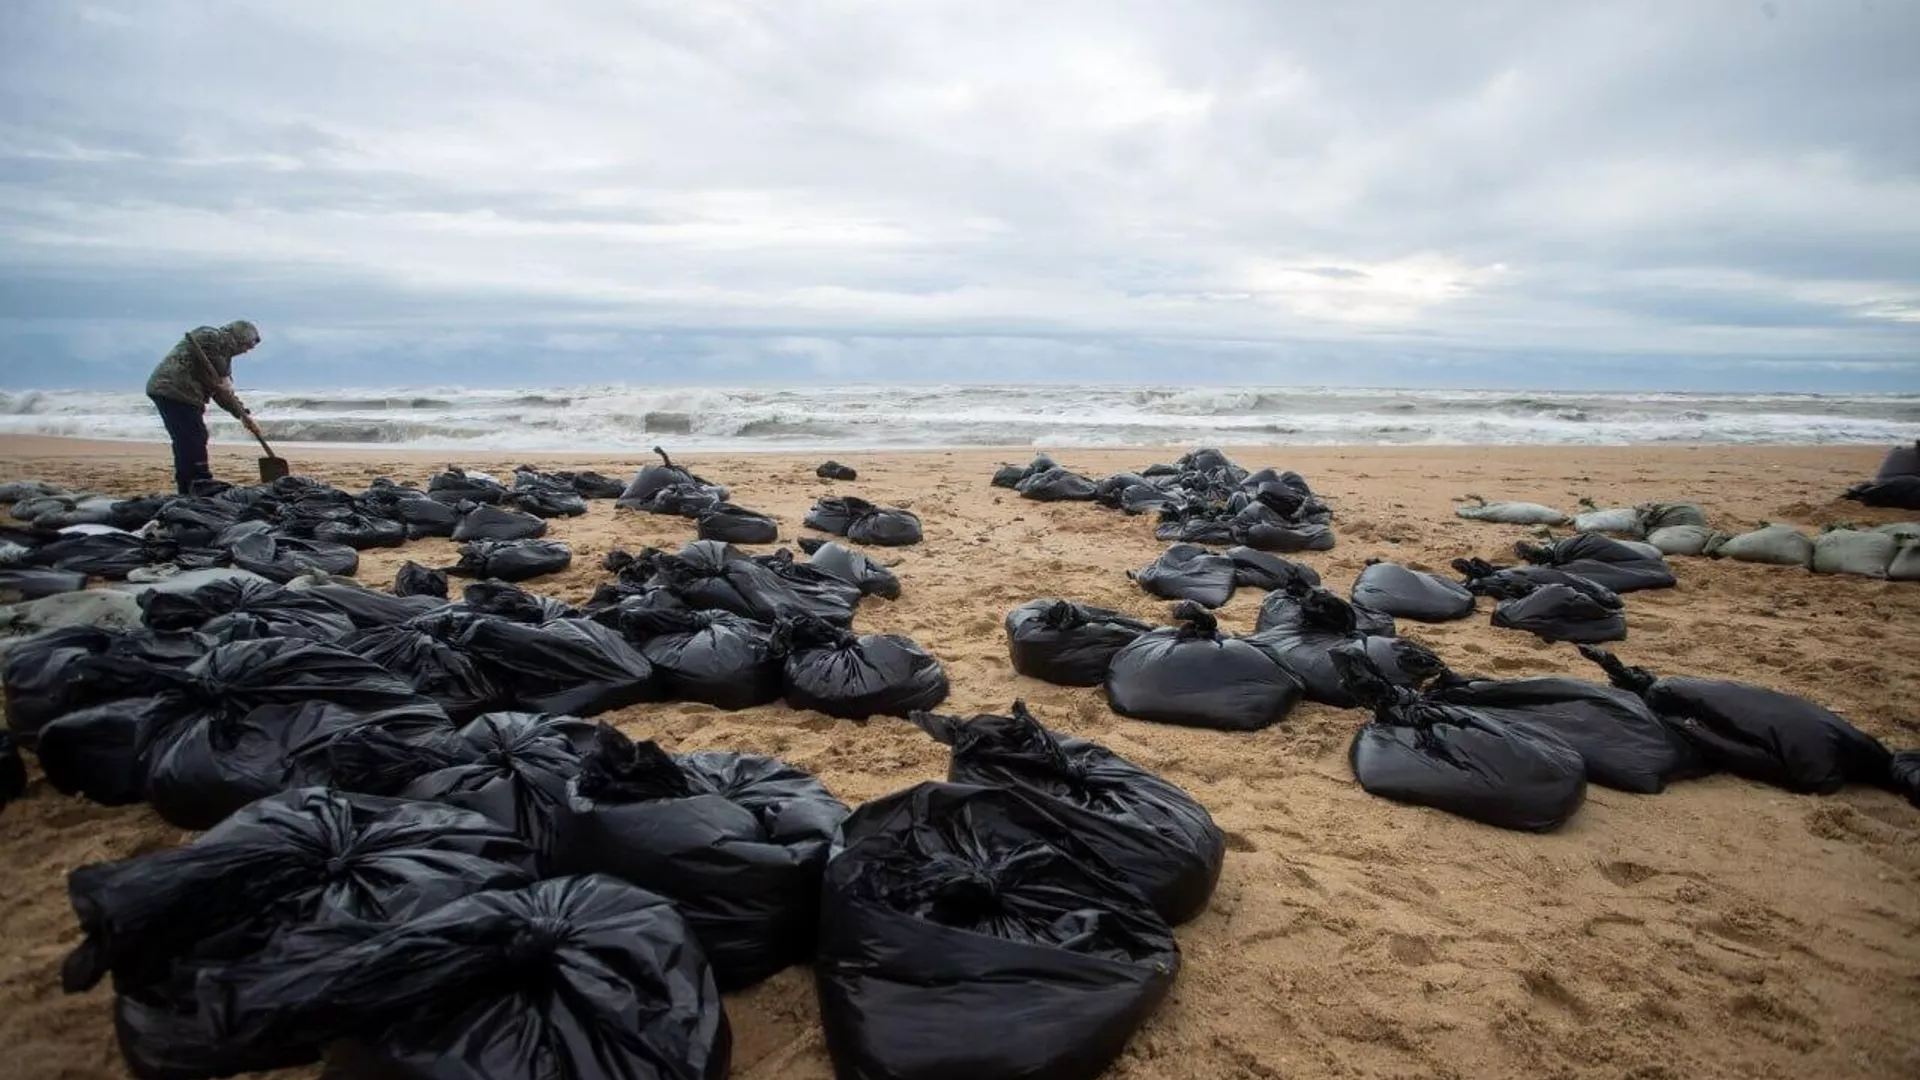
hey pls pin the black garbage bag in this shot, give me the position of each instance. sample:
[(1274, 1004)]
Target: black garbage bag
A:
[(1066, 643), (1300, 628), (852, 566), (76, 667), (653, 479), (1057, 485), (416, 580), (427, 654), (1757, 733), (510, 602), (1008, 476), (1900, 461), (1195, 530), (1283, 536), (1906, 775), (854, 676), (1482, 578), (940, 898), (369, 608), (485, 522), (591, 485), (1110, 491), (1457, 758), (1899, 492), (713, 657), (252, 545), (1616, 565), (195, 522), (1259, 570), (566, 979), (104, 554), (235, 610), (422, 516), (253, 718), (1189, 572), (1625, 746), (833, 470), (512, 560), (736, 841), (885, 526), (343, 525), (455, 486), (545, 501), (732, 524), (20, 583), (1156, 837), (306, 858), (1566, 613), (711, 575), (13, 771), (569, 666), (1410, 594), (1196, 676)]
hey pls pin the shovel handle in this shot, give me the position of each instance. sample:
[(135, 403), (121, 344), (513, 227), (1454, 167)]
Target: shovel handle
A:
[(264, 446)]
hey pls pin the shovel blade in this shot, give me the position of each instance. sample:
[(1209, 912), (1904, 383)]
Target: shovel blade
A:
[(272, 468)]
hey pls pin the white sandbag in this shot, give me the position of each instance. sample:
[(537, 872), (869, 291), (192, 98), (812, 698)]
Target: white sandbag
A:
[(94, 607), (1778, 545), (1906, 562), (1682, 539), (1851, 551), (167, 578), (1618, 521), (1901, 530), (14, 491), (1510, 513), (1659, 515)]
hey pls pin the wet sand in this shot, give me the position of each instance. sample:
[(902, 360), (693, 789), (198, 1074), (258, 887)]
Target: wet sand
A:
[(1722, 929)]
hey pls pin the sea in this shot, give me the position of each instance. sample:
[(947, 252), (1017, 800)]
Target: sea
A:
[(617, 418)]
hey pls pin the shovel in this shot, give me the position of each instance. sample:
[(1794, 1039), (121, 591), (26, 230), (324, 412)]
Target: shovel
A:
[(273, 466)]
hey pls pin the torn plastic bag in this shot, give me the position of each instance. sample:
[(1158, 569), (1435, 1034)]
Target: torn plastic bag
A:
[(736, 841), (1849, 551), (1259, 570), (1410, 594), (61, 671), (427, 655), (1510, 513), (369, 608), (1195, 676), (1899, 492), (732, 524), (708, 574), (1582, 612), (852, 566), (1684, 539), (1065, 643), (498, 523), (510, 602), (566, 979), (1189, 572), (1156, 837), (307, 858), (252, 545), (416, 580), (28, 583), (512, 560), (239, 610), (1777, 545), (1604, 560), (1459, 759), (1057, 485), (714, 657), (1624, 745), (1300, 629), (253, 718), (833, 470), (1757, 733), (1620, 521), (652, 480), (568, 666), (940, 898), (13, 771), (854, 676), (456, 486)]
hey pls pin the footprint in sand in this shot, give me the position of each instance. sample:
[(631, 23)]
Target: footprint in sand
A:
[(1543, 987), (1625, 874), (1410, 951)]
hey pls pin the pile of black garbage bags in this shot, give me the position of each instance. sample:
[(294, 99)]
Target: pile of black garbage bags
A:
[(1897, 484), (1204, 498)]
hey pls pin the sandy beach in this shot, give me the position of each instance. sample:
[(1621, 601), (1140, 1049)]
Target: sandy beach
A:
[(1722, 929)]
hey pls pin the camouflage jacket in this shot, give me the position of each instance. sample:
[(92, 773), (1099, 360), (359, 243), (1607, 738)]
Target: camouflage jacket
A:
[(178, 377)]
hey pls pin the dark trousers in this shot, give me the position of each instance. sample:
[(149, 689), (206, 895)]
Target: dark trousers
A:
[(187, 427)]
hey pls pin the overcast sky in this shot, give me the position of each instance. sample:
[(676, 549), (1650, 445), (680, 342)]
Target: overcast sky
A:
[(1609, 194)]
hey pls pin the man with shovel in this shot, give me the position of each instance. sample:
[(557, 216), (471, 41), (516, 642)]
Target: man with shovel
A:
[(199, 369)]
